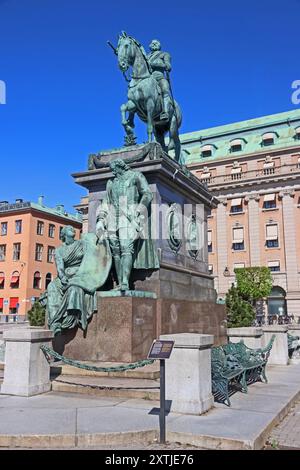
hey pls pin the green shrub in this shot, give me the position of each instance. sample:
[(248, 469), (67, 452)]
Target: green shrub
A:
[(239, 311), (37, 315)]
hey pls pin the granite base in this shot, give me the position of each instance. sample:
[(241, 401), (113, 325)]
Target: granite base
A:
[(124, 327)]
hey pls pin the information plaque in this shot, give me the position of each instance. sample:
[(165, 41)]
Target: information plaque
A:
[(161, 349)]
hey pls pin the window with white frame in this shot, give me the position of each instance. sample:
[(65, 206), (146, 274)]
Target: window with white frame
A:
[(238, 238), (269, 201), (272, 236), (274, 266)]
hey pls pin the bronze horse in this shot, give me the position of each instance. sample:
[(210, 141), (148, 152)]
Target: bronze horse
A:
[(145, 100)]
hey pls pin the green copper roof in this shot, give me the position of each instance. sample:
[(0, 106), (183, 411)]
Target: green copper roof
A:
[(283, 124), (57, 211)]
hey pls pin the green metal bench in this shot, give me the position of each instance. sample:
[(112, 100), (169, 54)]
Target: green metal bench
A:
[(236, 364), (225, 372), (293, 343), (253, 361)]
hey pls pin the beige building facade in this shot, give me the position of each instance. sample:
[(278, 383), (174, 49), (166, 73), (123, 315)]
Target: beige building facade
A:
[(253, 168), (29, 234)]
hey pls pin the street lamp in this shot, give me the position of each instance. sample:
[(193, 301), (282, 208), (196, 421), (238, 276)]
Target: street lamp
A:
[(226, 272)]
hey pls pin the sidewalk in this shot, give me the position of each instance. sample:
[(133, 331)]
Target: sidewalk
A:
[(64, 420)]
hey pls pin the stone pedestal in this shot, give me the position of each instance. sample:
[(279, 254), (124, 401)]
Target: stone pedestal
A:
[(122, 331), (26, 371), (185, 298), (252, 336), (279, 353), (188, 373)]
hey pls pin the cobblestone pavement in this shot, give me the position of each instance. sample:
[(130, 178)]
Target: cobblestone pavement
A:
[(287, 434)]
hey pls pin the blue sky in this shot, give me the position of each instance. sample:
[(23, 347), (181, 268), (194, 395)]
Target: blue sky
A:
[(232, 60)]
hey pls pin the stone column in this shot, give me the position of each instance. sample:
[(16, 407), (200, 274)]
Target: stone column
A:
[(252, 336), (188, 373), (222, 247), (279, 353), (254, 227), (289, 230), (26, 371)]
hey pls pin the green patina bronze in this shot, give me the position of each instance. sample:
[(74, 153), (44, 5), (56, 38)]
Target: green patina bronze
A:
[(83, 267), (236, 365), (125, 214), (149, 93)]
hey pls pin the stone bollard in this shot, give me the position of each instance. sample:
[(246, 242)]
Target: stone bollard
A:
[(252, 336), (188, 373), (26, 371), (279, 353)]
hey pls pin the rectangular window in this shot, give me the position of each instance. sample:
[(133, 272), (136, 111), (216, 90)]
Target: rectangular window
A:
[(16, 251), (13, 305), (2, 252), (60, 230), (51, 231), (3, 228), (210, 269), (50, 255), (18, 226), (2, 280), (272, 236), (274, 266), (236, 205), (38, 252), (238, 246), (270, 205), (40, 228), (269, 201), (238, 239), (209, 241)]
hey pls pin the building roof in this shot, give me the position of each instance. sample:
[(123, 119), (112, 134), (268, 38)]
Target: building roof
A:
[(251, 131), (58, 211)]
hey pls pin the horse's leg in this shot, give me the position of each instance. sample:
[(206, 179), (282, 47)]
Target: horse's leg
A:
[(150, 110), (160, 138), (174, 143), (128, 122)]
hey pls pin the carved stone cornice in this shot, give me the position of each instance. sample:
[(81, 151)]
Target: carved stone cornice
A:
[(252, 197), (223, 200), (286, 192)]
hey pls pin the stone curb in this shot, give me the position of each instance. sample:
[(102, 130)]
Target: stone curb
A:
[(48, 441)]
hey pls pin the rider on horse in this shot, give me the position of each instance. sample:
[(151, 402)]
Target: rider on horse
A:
[(160, 63)]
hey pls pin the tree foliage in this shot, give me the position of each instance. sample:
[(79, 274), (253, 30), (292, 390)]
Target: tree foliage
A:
[(254, 283), (37, 315), (239, 311)]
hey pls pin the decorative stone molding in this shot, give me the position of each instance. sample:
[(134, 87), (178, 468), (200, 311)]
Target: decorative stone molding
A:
[(255, 197), (268, 159), (223, 200), (286, 192)]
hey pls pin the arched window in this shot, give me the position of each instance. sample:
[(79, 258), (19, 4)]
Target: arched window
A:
[(268, 138), (37, 280), (236, 145), (2, 280), (15, 280), (277, 301), (48, 280), (207, 150)]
